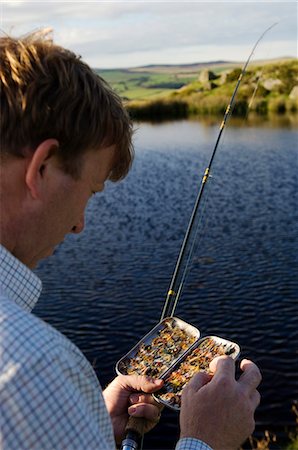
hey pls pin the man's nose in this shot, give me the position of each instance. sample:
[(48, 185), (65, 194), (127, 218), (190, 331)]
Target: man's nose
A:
[(78, 228)]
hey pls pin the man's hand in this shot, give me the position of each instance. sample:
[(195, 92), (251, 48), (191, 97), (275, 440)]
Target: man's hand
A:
[(219, 410), (130, 395)]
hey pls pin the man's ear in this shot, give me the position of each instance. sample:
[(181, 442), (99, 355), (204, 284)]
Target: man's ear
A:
[(38, 165)]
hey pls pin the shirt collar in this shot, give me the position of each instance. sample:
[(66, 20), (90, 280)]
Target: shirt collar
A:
[(18, 282)]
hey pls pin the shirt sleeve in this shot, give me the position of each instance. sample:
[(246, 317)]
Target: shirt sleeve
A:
[(191, 444)]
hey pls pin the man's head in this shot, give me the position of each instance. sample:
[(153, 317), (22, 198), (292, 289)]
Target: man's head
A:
[(48, 92), (63, 133)]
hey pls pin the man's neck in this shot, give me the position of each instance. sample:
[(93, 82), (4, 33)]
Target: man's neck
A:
[(13, 218)]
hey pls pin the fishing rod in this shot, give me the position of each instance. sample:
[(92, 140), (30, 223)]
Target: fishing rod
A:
[(137, 426), (188, 243)]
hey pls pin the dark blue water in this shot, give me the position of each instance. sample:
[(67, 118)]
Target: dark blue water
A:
[(106, 287)]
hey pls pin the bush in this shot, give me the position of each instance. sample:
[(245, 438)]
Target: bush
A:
[(286, 71), (277, 105), (260, 106), (262, 91), (233, 75), (190, 89), (212, 104), (158, 109), (241, 108), (291, 105)]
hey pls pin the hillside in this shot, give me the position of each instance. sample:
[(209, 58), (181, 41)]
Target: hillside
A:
[(205, 88), (141, 83)]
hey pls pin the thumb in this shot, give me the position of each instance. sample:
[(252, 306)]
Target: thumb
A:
[(140, 383)]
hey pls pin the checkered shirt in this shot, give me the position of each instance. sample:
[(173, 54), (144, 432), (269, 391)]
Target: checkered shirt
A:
[(50, 398), (191, 444)]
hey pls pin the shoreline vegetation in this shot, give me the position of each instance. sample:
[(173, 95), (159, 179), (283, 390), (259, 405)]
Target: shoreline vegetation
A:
[(156, 93), (270, 441)]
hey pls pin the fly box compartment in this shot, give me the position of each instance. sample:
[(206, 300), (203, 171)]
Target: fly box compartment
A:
[(154, 354), (195, 359)]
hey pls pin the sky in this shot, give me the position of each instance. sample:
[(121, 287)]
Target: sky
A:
[(119, 34)]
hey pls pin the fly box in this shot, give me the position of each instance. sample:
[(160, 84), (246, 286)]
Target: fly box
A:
[(196, 359), (173, 351), (154, 354)]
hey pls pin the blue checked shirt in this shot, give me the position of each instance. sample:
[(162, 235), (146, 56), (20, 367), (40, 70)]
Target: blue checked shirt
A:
[(50, 398)]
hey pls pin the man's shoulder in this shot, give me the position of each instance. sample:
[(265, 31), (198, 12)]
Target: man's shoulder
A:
[(23, 333), (26, 339)]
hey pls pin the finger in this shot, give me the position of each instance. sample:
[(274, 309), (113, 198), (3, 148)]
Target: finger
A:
[(251, 376), (148, 411), (142, 398), (197, 381), (140, 383), (223, 366), (255, 398)]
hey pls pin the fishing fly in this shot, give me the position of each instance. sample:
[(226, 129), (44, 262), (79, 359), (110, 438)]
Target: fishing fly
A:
[(137, 426)]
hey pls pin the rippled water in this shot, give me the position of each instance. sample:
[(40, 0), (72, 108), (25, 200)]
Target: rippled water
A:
[(105, 288)]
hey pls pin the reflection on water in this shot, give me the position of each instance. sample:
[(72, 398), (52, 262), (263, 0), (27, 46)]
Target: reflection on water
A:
[(271, 121), (105, 288)]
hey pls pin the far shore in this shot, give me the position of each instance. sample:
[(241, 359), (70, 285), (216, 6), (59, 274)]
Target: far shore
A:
[(154, 93)]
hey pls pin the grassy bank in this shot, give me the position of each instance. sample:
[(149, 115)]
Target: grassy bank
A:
[(166, 93), (269, 441)]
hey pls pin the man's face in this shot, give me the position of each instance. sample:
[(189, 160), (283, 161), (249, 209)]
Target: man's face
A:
[(64, 208)]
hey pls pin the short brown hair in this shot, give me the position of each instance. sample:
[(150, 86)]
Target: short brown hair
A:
[(49, 92)]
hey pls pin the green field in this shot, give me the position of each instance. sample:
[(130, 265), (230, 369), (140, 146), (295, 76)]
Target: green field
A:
[(142, 83), (139, 85)]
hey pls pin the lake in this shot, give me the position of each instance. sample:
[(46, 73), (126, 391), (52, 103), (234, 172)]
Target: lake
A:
[(105, 288)]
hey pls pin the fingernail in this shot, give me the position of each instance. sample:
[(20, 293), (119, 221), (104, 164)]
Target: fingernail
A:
[(134, 398)]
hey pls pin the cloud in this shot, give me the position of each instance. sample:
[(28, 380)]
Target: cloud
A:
[(120, 33)]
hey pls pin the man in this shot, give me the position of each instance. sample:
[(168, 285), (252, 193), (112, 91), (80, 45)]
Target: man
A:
[(63, 134)]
